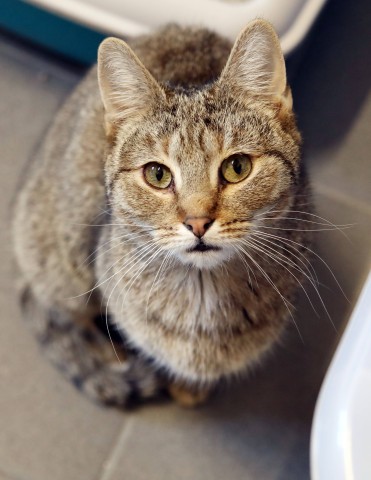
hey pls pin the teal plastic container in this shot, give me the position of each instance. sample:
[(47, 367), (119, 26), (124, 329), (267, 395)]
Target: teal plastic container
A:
[(50, 31)]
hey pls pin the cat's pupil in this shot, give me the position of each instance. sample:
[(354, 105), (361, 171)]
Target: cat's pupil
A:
[(237, 167), (159, 173)]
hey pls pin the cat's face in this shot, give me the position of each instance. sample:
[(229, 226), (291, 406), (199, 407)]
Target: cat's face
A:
[(198, 169)]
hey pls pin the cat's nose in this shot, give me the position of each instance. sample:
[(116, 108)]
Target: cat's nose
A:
[(198, 225)]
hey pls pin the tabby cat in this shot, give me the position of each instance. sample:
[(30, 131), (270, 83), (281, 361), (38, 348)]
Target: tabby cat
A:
[(165, 200)]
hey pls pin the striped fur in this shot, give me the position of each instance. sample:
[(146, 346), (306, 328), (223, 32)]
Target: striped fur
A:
[(93, 238)]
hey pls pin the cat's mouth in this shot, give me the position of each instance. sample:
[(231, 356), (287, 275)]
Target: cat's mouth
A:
[(204, 255), (202, 247)]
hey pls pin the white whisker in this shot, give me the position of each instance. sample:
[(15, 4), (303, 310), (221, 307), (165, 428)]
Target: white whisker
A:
[(270, 235), (270, 281), (107, 306), (124, 239), (302, 259), (327, 222), (273, 256), (154, 282), (302, 287), (299, 229), (99, 284), (140, 271)]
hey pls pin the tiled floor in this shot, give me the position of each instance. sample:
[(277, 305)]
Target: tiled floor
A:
[(258, 429)]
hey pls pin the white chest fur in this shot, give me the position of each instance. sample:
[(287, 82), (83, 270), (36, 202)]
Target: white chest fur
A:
[(191, 322)]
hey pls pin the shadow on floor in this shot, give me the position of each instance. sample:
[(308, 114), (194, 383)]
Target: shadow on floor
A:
[(334, 75)]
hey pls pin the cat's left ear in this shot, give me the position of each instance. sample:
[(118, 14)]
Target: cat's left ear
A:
[(256, 65), (127, 88)]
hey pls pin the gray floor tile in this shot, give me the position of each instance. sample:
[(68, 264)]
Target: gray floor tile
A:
[(345, 166), (347, 250), (4, 476), (9, 476), (48, 429), (208, 444), (31, 91)]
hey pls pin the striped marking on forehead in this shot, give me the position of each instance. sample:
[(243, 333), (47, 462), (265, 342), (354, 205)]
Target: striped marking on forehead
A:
[(193, 151), (193, 141)]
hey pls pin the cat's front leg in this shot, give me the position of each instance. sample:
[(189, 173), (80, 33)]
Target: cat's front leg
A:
[(84, 355)]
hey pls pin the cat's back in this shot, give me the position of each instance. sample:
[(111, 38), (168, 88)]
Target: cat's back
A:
[(175, 55), (185, 56)]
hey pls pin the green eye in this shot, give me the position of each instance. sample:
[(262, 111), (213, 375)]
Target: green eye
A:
[(157, 175), (236, 167)]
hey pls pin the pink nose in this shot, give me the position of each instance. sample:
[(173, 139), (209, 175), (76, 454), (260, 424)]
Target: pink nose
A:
[(198, 225)]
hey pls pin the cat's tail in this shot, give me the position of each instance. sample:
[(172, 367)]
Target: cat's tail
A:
[(87, 359)]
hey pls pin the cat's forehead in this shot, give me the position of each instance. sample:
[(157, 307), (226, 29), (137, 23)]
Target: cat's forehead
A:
[(191, 135), (204, 123), (197, 129), (198, 107)]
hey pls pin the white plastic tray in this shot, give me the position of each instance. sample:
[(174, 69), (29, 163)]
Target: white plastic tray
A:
[(291, 18), (341, 432)]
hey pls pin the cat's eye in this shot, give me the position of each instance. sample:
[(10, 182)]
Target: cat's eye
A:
[(236, 168), (157, 175)]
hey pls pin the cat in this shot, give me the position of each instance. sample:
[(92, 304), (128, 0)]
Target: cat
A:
[(167, 199)]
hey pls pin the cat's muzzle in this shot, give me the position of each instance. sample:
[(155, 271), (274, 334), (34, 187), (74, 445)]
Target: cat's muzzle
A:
[(202, 247)]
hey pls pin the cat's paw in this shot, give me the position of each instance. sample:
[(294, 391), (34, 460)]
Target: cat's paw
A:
[(121, 384), (188, 397), (107, 386)]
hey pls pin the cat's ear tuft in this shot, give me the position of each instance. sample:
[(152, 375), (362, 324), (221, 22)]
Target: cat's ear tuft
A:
[(256, 65), (127, 88)]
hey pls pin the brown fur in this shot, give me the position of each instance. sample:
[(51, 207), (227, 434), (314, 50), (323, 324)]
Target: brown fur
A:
[(196, 316)]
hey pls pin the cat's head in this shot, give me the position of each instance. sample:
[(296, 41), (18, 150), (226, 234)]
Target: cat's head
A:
[(196, 168)]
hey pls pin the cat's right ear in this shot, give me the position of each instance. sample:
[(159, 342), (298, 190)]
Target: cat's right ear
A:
[(127, 88)]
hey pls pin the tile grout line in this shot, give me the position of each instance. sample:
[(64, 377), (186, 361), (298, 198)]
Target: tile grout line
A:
[(111, 461)]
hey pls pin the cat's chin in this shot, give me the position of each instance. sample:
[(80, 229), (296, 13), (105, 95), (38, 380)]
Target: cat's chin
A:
[(205, 260)]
